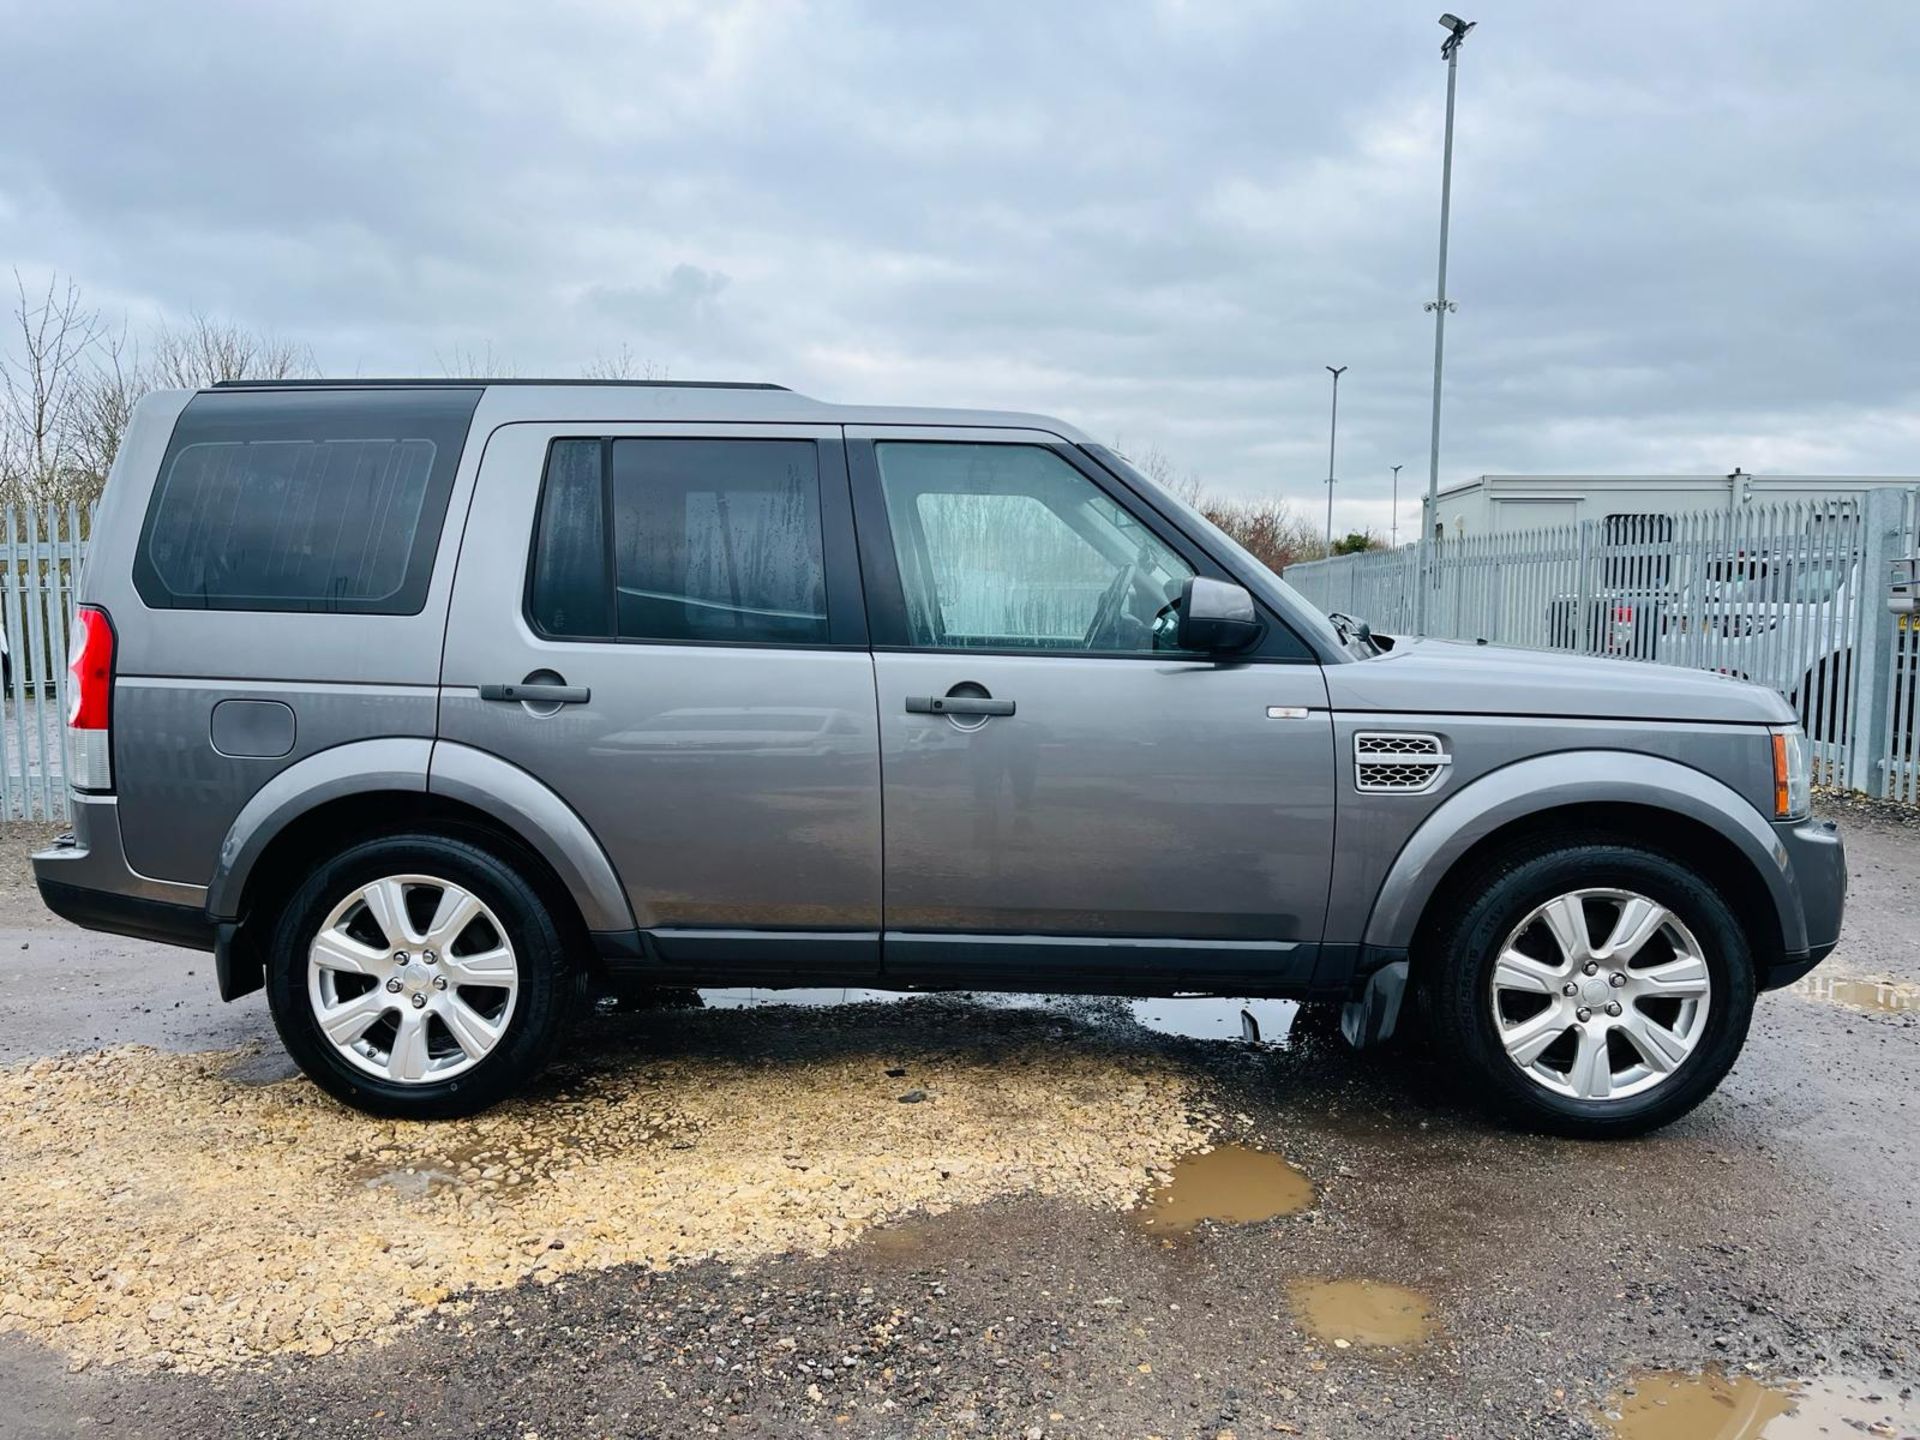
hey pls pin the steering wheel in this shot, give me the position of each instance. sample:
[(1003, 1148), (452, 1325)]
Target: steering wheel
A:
[(1108, 610)]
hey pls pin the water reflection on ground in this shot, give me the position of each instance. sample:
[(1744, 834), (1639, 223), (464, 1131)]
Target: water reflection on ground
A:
[(1195, 1017)]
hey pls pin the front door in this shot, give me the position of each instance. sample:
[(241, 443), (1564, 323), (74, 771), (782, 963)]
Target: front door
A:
[(696, 592), (1064, 790)]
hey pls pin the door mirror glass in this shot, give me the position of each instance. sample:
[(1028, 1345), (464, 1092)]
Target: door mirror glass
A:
[(1216, 616)]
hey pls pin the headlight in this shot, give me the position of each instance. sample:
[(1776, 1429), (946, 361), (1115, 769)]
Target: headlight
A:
[(1792, 774)]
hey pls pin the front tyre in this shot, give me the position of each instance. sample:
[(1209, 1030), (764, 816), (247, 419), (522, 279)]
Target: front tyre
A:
[(1596, 990), (420, 977)]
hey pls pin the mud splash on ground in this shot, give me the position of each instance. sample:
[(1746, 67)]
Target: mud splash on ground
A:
[(154, 1211)]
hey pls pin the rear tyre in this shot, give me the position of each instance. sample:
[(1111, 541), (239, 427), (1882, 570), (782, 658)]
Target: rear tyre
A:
[(419, 977), (1596, 990)]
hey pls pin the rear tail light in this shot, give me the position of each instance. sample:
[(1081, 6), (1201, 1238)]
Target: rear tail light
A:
[(90, 700)]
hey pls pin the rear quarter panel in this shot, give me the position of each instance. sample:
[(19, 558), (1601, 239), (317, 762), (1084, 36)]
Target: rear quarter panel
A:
[(346, 676)]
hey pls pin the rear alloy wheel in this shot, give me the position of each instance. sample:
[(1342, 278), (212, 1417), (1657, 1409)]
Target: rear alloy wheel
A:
[(419, 976), (1596, 990), (412, 979)]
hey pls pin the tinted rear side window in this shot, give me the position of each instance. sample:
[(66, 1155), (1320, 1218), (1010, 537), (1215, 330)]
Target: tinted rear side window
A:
[(708, 541), (329, 501)]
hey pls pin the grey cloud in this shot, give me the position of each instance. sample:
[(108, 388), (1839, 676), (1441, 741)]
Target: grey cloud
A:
[(1683, 234)]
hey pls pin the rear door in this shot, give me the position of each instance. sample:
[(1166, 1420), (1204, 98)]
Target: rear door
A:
[(695, 591), (1125, 814)]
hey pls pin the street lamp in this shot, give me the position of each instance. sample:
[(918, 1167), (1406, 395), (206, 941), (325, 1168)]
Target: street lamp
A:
[(1333, 424), (1394, 543), (1456, 32)]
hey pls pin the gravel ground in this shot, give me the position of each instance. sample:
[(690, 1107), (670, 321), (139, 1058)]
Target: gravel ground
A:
[(1770, 1233)]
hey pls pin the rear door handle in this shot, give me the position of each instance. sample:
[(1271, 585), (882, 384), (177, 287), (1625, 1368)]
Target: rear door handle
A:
[(535, 693), (957, 705)]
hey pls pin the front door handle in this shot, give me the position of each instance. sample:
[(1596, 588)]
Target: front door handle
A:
[(535, 692), (957, 705)]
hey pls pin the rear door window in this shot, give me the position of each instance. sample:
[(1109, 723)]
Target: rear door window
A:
[(690, 540), (328, 500)]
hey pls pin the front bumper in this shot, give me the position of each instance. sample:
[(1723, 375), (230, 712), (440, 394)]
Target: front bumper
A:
[(1816, 859)]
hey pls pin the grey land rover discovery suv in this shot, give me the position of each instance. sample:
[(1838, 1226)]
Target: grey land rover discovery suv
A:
[(429, 705)]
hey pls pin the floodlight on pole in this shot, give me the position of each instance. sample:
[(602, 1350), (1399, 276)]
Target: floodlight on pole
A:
[(1440, 306), (1333, 430), (1394, 524)]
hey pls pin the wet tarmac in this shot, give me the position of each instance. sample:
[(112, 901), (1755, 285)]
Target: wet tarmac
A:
[(1753, 1266)]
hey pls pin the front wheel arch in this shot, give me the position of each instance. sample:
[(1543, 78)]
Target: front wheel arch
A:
[(1643, 827)]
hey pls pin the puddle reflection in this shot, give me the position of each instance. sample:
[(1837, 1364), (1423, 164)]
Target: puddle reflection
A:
[(1887, 996), (1669, 1405), (1193, 1017)]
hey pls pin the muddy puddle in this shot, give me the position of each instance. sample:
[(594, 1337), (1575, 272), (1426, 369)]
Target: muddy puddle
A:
[(1670, 1405), (1229, 1185), (1361, 1312), (1890, 997)]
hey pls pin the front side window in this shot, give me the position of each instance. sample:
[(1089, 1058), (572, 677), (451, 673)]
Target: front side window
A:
[(1008, 547), (687, 540)]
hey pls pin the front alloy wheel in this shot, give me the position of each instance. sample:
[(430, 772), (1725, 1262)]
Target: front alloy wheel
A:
[(1592, 988), (1600, 994)]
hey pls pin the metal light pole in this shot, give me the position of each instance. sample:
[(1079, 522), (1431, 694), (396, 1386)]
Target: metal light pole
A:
[(1439, 305), (1394, 542), (1333, 430)]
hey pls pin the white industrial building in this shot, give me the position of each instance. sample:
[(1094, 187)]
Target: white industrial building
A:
[(1498, 504)]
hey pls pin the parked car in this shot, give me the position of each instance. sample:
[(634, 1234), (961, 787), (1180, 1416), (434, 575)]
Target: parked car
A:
[(429, 705)]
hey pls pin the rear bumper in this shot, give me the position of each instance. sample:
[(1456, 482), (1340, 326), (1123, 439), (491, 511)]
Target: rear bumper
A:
[(1817, 860), (156, 920), (84, 877)]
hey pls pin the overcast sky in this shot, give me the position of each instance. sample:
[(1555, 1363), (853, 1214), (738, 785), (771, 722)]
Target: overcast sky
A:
[(1685, 235)]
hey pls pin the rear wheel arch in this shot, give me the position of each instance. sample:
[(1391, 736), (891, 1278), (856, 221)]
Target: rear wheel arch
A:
[(335, 825)]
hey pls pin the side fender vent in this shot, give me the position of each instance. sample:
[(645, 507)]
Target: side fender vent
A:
[(1397, 763)]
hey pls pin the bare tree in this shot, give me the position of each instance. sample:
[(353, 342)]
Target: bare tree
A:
[(463, 362), (204, 352), (40, 388), (623, 364)]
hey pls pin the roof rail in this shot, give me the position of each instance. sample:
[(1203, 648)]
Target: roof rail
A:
[(445, 382)]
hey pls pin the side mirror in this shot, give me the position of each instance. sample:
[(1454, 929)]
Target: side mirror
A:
[(1216, 616)]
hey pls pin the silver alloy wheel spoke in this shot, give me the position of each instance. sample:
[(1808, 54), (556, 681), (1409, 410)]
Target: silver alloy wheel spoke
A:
[(1638, 922), (1685, 975), (1592, 1074), (1566, 918), (1530, 1037), (1515, 971), (408, 1059), (350, 1019), (339, 951), (1592, 991), (428, 1003)]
